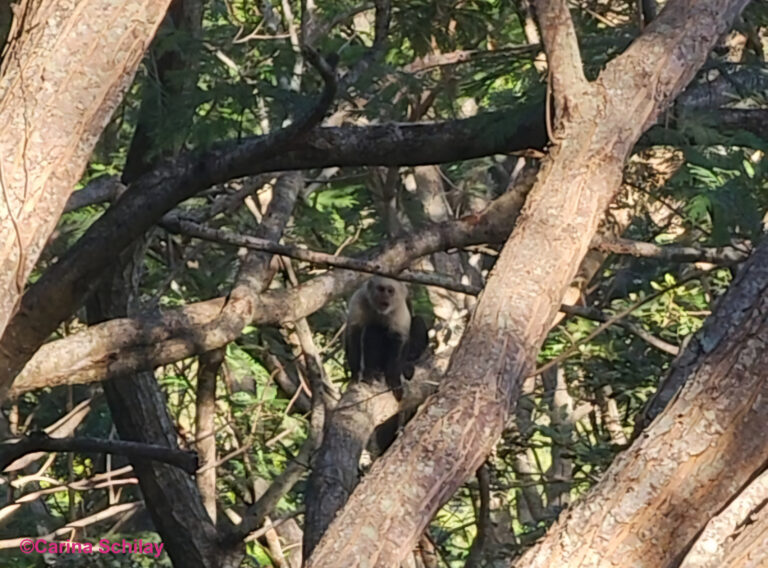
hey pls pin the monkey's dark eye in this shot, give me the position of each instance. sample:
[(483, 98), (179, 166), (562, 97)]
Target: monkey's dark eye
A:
[(381, 288)]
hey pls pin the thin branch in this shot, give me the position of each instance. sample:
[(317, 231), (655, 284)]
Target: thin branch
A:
[(313, 32), (596, 315), (381, 29), (282, 484), (78, 524), (11, 450), (63, 427), (722, 256), (612, 320), (432, 60), (178, 225), (478, 550)]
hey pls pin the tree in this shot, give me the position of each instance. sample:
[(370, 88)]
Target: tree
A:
[(192, 303), (58, 91), (705, 447), (593, 134)]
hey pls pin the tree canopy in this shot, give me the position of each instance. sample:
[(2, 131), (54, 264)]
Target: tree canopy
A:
[(576, 194)]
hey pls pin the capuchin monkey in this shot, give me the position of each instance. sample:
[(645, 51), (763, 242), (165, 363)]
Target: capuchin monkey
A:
[(382, 336)]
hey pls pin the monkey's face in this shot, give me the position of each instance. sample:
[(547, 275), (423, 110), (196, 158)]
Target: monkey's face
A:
[(384, 295)]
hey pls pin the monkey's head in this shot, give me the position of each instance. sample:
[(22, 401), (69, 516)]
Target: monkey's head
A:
[(384, 294)]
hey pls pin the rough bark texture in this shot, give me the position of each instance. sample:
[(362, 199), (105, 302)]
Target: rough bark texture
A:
[(456, 428), (747, 550), (140, 414), (135, 400), (704, 448), (335, 466), (139, 411), (737, 536), (65, 73)]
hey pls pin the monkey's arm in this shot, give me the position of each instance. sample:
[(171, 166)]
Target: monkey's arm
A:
[(417, 344), (394, 357), (418, 339), (352, 341)]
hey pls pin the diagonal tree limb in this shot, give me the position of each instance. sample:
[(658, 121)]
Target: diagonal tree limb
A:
[(62, 288), (456, 428), (70, 280), (127, 344), (157, 338), (197, 230), (53, 114)]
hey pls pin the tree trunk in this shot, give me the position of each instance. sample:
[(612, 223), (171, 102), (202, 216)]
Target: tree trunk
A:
[(704, 448), (597, 125), (64, 74), (335, 465)]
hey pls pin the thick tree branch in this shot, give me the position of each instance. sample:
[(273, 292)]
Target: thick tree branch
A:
[(752, 120), (63, 287), (665, 40), (128, 344), (155, 339), (453, 432), (52, 115), (11, 450), (61, 290), (691, 447), (729, 85)]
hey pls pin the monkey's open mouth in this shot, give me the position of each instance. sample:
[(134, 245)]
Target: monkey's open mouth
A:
[(383, 306)]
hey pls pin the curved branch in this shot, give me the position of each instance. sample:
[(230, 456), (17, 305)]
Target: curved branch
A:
[(127, 344), (61, 290)]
